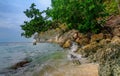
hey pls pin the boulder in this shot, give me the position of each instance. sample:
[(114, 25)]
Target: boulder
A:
[(89, 49), (67, 44), (75, 35), (115, 40), (61, 40), (82, 41), (116, 31), (104, 41), (34, 43), (20, 64), (97, 37), (113, 21), (107, 36)]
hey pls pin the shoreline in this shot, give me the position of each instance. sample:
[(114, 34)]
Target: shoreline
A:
[(97, 48)]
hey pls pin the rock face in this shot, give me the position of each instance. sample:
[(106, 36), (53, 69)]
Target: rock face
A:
[(116, 31), (97, 37), (113, 21), (67, 44), (102, 48), (106, 53), (114, 24)]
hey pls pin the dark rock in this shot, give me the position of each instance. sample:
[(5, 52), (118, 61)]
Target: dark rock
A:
[(72, 56), (20, 64), (34, 43)]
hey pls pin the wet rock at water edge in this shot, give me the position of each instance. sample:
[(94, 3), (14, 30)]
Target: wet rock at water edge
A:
[(20, 64), (67, 44)]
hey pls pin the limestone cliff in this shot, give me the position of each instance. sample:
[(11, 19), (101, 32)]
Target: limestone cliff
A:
[(102, 48)]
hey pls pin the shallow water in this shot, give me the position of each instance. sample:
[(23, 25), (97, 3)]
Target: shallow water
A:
[(11, 53), (47, 60)]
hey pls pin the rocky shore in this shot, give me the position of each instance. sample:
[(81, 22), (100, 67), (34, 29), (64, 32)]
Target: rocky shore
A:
[(102, 48)]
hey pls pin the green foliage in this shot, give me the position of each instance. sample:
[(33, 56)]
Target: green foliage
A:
[(36, 24), (66, 11), (78, 14), (82, 15), (111, 7), (92, 10)]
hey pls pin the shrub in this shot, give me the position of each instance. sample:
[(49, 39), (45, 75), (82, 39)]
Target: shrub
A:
[(78, 14)]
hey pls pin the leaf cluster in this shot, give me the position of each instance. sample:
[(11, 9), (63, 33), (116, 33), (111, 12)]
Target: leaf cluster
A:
[(82, 15), (78, 14), (111, 7), (36, 24)]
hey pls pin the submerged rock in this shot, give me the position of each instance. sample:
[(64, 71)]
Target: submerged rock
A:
[(20, 64)]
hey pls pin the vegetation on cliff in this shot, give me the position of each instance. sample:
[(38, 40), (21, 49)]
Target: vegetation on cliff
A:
[(36, 24), (87, 17), (83, 15)]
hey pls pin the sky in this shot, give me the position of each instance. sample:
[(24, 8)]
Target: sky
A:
[(12, 16)]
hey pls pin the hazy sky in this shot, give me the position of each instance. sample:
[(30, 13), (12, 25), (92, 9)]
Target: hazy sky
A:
[(12, 16)]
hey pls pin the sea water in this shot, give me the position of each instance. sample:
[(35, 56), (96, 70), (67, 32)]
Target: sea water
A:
[(11, 53)]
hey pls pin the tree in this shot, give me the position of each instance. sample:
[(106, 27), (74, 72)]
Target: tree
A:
[(36, 24), (65, 11), (78, 14)]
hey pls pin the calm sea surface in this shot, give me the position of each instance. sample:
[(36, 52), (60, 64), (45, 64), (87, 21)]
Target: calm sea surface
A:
[(11, 53)]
